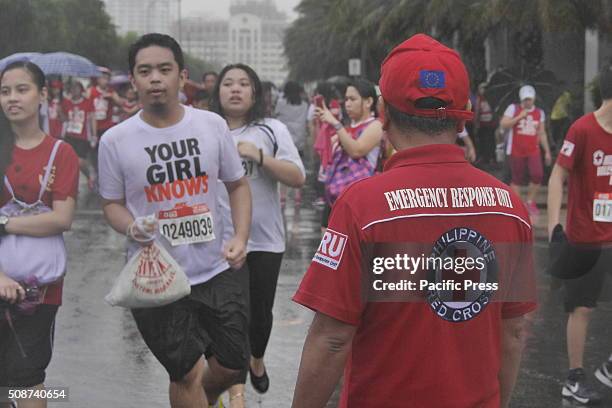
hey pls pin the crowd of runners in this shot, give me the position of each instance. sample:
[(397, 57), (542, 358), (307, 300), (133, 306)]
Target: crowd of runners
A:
[(206, 175)]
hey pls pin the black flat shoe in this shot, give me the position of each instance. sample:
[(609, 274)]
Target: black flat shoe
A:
[(261, 384)]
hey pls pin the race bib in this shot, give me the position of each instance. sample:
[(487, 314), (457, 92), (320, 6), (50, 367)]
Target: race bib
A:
[(101, 108), (76, 120), (251, 169), (185, 225), (74, 127), (602, 207)]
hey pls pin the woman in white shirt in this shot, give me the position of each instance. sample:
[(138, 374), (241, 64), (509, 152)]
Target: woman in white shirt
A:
[(269, 157)]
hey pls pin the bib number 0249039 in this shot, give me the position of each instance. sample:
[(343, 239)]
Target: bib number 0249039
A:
[(187, 225)]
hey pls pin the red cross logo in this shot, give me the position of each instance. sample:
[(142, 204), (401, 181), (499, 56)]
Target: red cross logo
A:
[(470, 274)]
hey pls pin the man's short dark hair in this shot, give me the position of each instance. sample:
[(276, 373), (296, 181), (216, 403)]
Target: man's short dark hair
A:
[(430, 126), (605, 82), (156, 39)]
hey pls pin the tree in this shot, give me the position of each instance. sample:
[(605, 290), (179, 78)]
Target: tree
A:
[(327, 32)]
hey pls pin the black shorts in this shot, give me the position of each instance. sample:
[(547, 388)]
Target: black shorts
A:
[(587, 289), (211, 321), (35, 334), (80, 146)]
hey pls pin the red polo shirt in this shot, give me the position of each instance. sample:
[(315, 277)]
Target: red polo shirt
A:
[(587, 155), (428, 200)]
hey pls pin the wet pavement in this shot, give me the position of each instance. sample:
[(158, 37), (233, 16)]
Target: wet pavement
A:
[(101, 358)]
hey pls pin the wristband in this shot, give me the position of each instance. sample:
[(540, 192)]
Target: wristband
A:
[(261, 156)]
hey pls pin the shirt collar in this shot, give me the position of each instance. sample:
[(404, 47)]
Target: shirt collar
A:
[(427, 154)]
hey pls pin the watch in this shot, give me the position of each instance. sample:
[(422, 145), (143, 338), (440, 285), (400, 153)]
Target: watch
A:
[(338, 126), (3, 221)]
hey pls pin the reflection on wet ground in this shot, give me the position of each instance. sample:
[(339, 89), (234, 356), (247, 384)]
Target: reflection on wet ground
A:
[(100, 356)]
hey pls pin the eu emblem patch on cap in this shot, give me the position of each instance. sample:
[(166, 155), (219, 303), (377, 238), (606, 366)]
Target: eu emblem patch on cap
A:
[(432, 79)]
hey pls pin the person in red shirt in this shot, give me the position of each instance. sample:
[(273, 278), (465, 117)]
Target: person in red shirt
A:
[(81, 127), (130, 105), (104, 98), (395, 343), (56, 115), (586, 159), (24, 154), (527, 126)]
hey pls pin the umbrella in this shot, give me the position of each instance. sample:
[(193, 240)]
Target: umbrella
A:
[(63, 63), (504, 85), (20, 56), (119, 79)]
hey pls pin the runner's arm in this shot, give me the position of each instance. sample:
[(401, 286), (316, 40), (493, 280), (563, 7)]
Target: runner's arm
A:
[(508, 122), (555, 195), (94, 127), (117, 215), (284, 171), (116, 98), (369, 139), (43, 225), (240, 203), (325, 352), (513, 340)]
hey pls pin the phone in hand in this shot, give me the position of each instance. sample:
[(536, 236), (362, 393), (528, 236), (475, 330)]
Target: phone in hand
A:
[(319, 101)]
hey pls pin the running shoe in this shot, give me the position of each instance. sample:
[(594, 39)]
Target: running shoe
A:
[(577, 388), (604, 373)]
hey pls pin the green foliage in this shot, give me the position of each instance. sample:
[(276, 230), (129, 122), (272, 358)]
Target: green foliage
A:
[(78, 26), (196, 67), (328, 32)]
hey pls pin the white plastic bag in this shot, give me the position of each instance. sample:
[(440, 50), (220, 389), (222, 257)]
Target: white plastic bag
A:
[(151, 278)]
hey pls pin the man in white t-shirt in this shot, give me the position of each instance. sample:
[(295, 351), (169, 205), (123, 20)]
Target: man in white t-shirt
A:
[(166, 162)]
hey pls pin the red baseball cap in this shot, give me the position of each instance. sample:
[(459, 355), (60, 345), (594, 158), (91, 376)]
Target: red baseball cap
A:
[(421, 67)]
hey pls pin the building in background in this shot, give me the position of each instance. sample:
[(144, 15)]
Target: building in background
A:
[(142, 16), (205, 39), (253, 35)]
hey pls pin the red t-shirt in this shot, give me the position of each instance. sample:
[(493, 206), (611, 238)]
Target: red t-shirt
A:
[(78, 116), (587, 155), (402, 347), (55, 122), (25, 174), (523, 140), (103, 109)]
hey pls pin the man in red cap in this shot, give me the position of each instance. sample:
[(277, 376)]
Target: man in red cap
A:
[(422, 280)]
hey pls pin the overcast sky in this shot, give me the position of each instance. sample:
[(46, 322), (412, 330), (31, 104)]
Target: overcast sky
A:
[(220, 8)]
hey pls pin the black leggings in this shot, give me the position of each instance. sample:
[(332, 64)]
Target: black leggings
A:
[(263, 277), (264, 268)]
